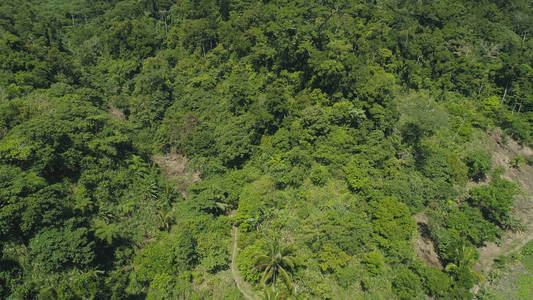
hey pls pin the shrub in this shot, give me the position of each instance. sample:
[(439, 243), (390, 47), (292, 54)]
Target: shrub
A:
[(436, 283), (54, 250), (373, 262), (479, 163), (495, 200), (406, 284), (346, 276), (518, 162), (319, 175)]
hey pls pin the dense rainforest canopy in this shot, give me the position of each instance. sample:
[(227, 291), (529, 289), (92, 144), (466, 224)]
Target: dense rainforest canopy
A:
[(134, 135)]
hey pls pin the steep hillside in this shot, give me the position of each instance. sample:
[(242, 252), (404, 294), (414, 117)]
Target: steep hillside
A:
[(230, 149)]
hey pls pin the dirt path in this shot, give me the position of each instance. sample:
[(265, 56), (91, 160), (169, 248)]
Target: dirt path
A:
[(242, 285)]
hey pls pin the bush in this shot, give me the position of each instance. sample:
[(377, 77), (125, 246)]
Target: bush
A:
[(172, 254), (479, 163), (373, 262), (471, 224), (495, 200), (436, 283), (406, 284), (54, 249), (518, 162), (319, 175), (346, 276)]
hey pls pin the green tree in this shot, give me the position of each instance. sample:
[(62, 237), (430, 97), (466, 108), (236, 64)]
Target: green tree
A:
[(465, 258)]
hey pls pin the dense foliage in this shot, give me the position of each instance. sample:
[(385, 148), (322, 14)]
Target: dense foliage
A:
[(319, 128)]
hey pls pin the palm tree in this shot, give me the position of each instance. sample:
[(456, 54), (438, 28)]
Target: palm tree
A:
[(167, 217), (466, 258), (276, 262)]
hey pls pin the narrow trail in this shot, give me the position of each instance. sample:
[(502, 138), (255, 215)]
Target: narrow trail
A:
[(243, 286), (511, 244)]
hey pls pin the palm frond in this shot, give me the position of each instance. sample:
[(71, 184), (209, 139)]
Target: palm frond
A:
[(261, 267), (286, 278), (269, 272), (262, 259), (288, 261)]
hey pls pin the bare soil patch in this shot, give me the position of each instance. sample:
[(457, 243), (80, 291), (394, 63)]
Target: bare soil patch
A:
[(175, 168), (424, 247), (116, 113)]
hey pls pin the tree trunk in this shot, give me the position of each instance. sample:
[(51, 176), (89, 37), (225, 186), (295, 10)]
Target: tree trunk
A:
[(166, 27), (505, 92)]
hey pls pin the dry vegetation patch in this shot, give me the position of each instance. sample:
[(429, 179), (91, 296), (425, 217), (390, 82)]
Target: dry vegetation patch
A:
[(116, 113), (175, 168)]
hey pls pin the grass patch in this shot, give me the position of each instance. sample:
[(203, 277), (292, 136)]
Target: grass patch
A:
[(513, 277), (527, 256), (525, 286)]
